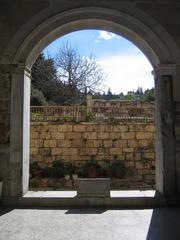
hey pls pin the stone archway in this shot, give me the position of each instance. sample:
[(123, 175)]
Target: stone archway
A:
[(142, 31)]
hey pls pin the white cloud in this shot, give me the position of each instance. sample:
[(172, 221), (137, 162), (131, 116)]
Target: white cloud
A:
[(127, 72), (104, 35)]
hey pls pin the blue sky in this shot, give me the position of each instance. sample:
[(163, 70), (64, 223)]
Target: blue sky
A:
[(124, 64)]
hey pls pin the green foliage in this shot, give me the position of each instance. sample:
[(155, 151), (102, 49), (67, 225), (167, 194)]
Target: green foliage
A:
[(76, 75), (68, 169), (44, 76), (57, 169), (35, 116), (35, 170), (137, 95), (34, 165), (37, 97), (34, 183), (91, 168), (149, 95), (118, 168), (88, 116), (58, 164)]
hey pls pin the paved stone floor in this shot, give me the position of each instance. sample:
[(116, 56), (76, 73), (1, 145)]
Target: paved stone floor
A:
[(89, 224)]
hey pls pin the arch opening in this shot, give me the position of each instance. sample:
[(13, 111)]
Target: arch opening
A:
[(104, 152)]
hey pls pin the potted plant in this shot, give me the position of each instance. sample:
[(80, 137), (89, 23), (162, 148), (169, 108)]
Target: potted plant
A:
[(118, 169), (67, 171), (57, 169), (75, 172), (91, 169), (107, 169), (35, 170)]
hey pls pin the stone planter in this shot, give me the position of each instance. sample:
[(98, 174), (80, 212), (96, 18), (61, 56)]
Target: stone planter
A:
[(1, 187), (93, 187)]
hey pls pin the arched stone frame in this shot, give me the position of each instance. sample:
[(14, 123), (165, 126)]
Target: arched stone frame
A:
[(145, 33)]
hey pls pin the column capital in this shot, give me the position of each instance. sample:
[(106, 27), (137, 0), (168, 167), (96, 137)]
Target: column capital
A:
[(14, 68), (164, 70), (22, 68)]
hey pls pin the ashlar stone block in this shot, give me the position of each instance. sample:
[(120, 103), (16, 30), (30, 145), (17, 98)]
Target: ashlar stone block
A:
[(56, 151), (64, 143), (89, 135), (120, 143), (50, 143), (115, 151), (57, 135), (107, 143), (79, 128), (70, 151), (73, 135), (65, 128), (132, 143), (103, 135), (144, 135), (128, 135), (120, 128), (45, 135), (128, 150), (38, 143)]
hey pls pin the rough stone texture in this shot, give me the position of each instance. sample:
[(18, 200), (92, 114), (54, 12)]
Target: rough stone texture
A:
[(177, 132), (5, 85), (165, 135), (84, 141), (5, 102)]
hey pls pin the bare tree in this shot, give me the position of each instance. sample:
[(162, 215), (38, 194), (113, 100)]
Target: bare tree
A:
[(79, 72)]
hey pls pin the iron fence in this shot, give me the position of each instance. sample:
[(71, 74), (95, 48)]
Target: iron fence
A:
[(83, 113)]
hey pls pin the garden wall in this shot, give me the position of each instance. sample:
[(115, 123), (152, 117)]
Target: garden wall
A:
[(132, 143)]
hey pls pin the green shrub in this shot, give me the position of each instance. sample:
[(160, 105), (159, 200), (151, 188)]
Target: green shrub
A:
[(88, 116), (34, 183), (118, 169)]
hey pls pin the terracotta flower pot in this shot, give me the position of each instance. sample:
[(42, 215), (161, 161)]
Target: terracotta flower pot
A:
[(92, 173)]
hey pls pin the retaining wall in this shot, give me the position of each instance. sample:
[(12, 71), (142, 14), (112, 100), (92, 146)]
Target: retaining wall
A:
[(132, 143)]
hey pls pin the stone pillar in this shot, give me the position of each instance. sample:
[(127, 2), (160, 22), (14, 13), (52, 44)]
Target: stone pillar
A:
[(5, 98), (19, 137), (89, 103), (165, 135)]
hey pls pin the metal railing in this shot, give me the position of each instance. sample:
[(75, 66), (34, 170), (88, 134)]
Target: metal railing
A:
[(83, 113)]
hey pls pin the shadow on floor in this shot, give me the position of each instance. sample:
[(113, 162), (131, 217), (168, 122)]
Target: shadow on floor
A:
[(73, 210), (165, 224), (5, 210), (86, 211)]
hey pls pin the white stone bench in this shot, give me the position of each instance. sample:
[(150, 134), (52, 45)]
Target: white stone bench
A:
[(93, 187)]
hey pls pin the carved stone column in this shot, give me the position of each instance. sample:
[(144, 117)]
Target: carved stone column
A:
[(19, 135), (165, 135)]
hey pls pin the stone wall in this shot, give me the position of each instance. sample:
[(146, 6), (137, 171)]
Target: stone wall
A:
[(4, 106), (132, 143), (177, 136), (5, 95)]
